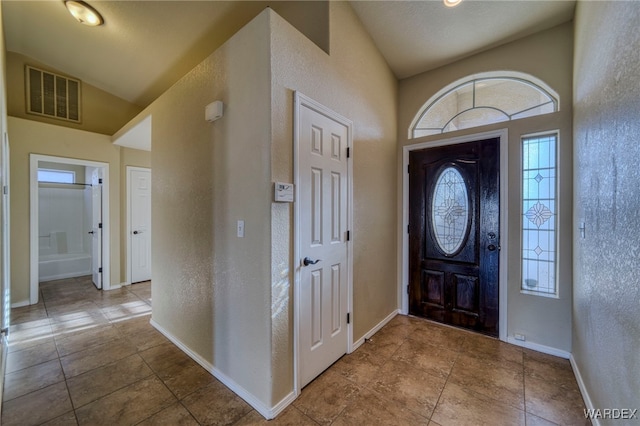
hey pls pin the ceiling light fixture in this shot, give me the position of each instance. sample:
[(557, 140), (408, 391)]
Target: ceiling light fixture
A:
[(84, 13), (452, 3)]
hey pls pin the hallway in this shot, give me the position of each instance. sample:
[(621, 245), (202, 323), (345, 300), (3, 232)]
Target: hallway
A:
[(87, 357)]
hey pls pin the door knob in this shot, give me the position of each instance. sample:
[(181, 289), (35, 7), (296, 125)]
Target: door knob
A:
[(491, 247), (90, 232), (137, 232), (306, 261)]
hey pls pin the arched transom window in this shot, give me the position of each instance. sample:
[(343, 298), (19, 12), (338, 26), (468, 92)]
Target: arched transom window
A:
[(483, 99)]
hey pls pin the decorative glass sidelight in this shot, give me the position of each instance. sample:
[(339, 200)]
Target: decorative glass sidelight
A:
[(539, 204), (450, 210)]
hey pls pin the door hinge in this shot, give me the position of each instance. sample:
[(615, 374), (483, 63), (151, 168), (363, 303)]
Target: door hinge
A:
[(99, 270), (100, 225), (408, 168), (5, 190), (348, 318), (408, 289), (408, 228), (348, 152), (348, 235), (99, 181), (5, 331)]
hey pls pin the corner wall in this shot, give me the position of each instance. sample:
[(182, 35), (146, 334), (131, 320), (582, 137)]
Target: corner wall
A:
[(606, 314), (355, 81), (546, 322)]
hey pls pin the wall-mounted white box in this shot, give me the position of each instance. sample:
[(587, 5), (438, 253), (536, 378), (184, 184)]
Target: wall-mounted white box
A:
[(283, 192)]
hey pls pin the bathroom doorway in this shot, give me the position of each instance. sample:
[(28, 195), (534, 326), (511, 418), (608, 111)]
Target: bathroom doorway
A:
[(69, 221)]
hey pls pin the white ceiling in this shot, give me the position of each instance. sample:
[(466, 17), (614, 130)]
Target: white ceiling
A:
[(145, 46)]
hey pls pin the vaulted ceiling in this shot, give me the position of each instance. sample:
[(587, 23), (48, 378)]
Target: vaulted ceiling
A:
[(146, 46)]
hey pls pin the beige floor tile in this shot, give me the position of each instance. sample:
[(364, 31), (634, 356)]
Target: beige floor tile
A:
[(491, 379), (186, 380), (83, 361), (166, 356), (324, 399), (444, 337), (81, 340), (146, 339), (37, 407), (533, 420), (31, 379), (31, 356), (173, 415), (99, 382), (216, 405), (128, 405), (427, 357), (67, 419), (291, 416), (549, 368), (370, 409), (410, 387), (556, 403), (490, 349), (461, 406), (360, 366)]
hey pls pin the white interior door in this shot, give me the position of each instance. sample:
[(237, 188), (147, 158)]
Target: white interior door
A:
[(322, 222), (96, 227), (140, 220)]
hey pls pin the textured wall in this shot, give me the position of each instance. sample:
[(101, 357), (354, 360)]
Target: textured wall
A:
[(211, 289), (606, 313), (546, 56), (355, 81)]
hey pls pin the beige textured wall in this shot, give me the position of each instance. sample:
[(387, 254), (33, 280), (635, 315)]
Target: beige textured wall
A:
[(606, 318), (128, 157), (355, 81), (547, 56), (211, 290), (101, 112), (27, 137)]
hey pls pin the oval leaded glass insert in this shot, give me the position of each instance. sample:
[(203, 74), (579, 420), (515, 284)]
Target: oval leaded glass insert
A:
[(450, 210)]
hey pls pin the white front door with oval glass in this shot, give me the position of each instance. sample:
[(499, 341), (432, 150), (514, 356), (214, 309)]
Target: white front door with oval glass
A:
[(323, 139)]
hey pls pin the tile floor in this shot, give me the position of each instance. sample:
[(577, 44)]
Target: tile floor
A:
[(87, 357)]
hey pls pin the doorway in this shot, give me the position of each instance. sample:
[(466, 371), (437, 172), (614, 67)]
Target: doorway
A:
[(74, 240), (323, 331), (456, 292), (138, 224)]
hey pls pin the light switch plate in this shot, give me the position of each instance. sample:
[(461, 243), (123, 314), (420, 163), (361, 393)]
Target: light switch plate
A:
[(240, 229), (283, 192)]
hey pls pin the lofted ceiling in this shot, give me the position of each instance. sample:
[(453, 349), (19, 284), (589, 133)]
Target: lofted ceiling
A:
[(146, 46)]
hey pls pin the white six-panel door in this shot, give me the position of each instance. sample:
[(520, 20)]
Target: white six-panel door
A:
[(323, 248), (140, 220)]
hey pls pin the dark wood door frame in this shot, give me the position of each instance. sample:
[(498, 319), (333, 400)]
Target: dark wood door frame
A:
[(502, 134)]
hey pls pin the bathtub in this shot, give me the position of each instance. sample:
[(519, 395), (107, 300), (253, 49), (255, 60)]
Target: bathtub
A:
[(65, 265)]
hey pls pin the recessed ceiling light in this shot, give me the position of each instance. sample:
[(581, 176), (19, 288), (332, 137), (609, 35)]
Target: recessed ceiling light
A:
[(452, 3), (84, 13)]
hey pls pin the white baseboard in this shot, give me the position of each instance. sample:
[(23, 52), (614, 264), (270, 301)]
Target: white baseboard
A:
[(20, 304), (267, 412), (374, 330), (583, 389), (540, 348)]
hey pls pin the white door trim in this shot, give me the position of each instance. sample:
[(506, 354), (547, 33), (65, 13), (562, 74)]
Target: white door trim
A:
[(299, 101), (128, 219), (504, 143), (33, 219)]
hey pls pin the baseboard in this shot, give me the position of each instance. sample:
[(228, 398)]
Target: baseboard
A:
[(267, 412), (540, 348), (21, 304), (374, 330), (583, 389)]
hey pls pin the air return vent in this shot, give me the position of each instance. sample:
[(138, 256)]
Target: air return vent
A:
[(52, 95)]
